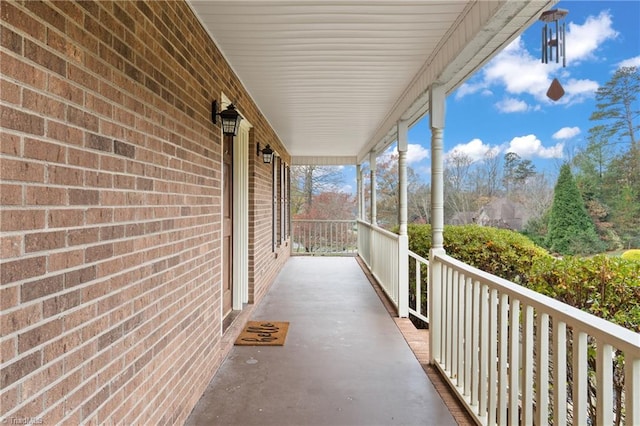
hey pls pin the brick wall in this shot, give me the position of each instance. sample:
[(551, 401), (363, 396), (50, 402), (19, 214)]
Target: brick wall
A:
[(110, 220)]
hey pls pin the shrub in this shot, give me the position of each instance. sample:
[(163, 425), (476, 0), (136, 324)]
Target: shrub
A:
[(608, 287), (501, 252), (631, 255)]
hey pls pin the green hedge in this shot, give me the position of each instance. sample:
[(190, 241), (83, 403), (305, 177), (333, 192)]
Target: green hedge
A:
[(631, 254), (501, 252), (608, 287)]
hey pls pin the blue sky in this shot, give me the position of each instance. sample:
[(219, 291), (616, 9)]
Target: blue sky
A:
[(504, 105)]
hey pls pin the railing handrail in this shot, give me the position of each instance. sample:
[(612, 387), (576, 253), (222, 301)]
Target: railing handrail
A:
[(324, 220), (614, 334), (418, 257), (382, 231)]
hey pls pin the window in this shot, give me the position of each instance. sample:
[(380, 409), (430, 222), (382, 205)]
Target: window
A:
[(280, 182)]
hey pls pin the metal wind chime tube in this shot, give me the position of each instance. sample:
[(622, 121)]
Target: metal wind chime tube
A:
[(554, 42), (551, 41)]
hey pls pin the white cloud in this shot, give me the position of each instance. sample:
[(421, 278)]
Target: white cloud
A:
[(520, 73), (469, 88), (512, 105), (631, 62), (415, 153), (583, 40), (529, 146), (566, 133), (578, 90), (475, 149), (347, 189)]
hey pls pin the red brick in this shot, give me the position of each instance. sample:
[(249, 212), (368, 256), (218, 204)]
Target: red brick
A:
[(84, 39), (99, 215), (82, 119), (10, 145), (45, 151), (11, 40), (40, 288), (11, 246), (64, 133), (22, 269), (112, 164), (125, 182), (9, 297), (21, 121), (65, 260), (66, 89), (20, 368), (83, 197), (99, 105), (60, 43), (10, 195), (9, 91), (21, 220), (83, 158), (41, 379), (21, 20), (60, 390), (84, 79), (98, 179), (43, 105), (61, 303), (65, 218), (59, 175), (44, 241), (46, 196), (44, 57), (30, 409), (82, 236), (80, 317), (36, 336), (20, 318), (23, 171)]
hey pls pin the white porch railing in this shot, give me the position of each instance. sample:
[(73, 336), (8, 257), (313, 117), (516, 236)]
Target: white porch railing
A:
[(418, 286), (379, 250), (491, 339), (514, 356), (324, 237)]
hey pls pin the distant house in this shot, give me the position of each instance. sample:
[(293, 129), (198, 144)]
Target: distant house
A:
[(499, 213), (463, 218), (503, 213)]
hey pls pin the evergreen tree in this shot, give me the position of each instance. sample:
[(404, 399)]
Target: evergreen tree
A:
[(570, 229), (617, 105)]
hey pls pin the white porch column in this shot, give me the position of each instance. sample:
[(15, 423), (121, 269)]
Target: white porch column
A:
[(403, 239), (359, 192), (436, 118), (372, 167)]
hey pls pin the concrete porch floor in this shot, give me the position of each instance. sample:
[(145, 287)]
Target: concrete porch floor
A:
[(345, 361)]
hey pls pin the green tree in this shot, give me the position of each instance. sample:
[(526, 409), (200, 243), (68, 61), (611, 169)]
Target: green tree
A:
[(516, 171), (570, 229), (617, 107)]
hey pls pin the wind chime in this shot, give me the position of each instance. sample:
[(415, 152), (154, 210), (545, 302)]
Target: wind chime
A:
[(554, 42)]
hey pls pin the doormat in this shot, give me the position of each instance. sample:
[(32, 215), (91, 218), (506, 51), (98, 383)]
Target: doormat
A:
[(263, 333)]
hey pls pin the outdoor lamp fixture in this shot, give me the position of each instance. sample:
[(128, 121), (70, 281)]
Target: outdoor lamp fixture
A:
[(267, 153), (230, 118)]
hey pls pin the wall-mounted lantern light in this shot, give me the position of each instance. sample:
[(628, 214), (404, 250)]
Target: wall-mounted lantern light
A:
[(267, 153), (230, 118)]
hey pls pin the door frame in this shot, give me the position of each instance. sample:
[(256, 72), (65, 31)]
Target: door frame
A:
[(240, 232)]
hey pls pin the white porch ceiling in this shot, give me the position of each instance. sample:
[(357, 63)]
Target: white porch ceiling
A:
[(333, 76)]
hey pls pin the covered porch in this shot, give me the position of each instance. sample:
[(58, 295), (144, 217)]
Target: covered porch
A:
[(346, 360)]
